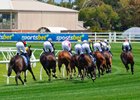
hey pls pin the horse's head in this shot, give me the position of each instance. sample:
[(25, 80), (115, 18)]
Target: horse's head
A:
[(29, 51)]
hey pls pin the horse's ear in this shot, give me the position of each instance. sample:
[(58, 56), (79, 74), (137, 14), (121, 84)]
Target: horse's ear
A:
[(29, 46)]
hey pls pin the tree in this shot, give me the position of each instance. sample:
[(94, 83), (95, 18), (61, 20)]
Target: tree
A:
[(102, 17)]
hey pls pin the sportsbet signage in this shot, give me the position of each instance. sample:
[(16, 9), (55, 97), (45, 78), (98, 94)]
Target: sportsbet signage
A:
[(56, 37)]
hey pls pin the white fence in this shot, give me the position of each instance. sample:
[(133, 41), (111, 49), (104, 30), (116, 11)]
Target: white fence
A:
[(114, 37)]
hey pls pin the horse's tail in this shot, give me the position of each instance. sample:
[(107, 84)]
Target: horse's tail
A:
[(9, 70), (11, 64)]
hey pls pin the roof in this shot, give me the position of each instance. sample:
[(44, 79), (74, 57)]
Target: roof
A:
[(133, 30), (31, 5), (56, 29)]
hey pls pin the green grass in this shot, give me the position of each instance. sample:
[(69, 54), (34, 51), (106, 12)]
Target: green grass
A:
[(119, 85)]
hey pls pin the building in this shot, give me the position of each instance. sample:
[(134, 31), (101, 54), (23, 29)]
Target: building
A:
[(32, 16)]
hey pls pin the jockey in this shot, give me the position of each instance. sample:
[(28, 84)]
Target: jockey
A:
[(48, 46), (22, 46), (126, 46), (50, 40), (97, 46), (108, 47), (78, 48), (66, 45), (90, 44), (86, 49)]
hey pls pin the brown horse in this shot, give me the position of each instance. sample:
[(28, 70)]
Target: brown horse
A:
[(86, 66), (64, 57), (18, 64), (127, 58), (108, 58), (48, 62), (100, 62), (74, 63)]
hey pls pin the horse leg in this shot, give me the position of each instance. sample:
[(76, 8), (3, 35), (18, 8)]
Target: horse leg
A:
[(127, 67), (30, 69), (67, 69), (54, 72), (93, 73), (132, 68), (49, 74), (109, 68), (103, 67), (80, 73), (25, 76), (18, 77), (59, 67), (70, 71), (98, 67)]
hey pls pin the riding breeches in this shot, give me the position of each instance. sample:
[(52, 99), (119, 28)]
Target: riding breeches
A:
[(20, 47), (48, 47), (86, 48), (78, 48), (97, 47), (66, 46)]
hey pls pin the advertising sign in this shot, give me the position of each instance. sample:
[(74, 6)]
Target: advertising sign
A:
[(43, 36)]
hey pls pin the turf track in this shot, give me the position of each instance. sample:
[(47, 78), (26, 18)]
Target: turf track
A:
[(119, 85)]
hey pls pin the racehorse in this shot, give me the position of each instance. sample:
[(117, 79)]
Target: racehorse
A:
[(127, 58), (18, 64), (64, 57), (108, 58), (86, 66), (100, 62), (48, 61)]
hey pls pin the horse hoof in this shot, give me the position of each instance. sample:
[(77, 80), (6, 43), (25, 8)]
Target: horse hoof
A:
[(93, 78), (54, 76), (34, 79), (25, 80)]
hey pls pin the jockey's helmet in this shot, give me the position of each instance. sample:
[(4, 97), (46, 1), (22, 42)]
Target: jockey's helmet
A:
[(79, 41), (24, 42), (105, 40), (89, 40), (49, 39), (85, 41)]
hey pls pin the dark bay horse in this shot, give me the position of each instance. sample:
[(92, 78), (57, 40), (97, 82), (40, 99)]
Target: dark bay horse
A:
[(74, 63), (64, 57), (86, 66), (108, 58), (127, 58), (48, 61), (100, 62), (18, 64)]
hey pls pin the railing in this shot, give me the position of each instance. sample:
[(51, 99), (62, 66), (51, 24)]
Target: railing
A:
[(114, 37)]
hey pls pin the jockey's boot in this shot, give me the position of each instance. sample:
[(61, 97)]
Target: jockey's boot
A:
[(110, 53), (70, 52), (93, 57), (27, 57), (43, 49)]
